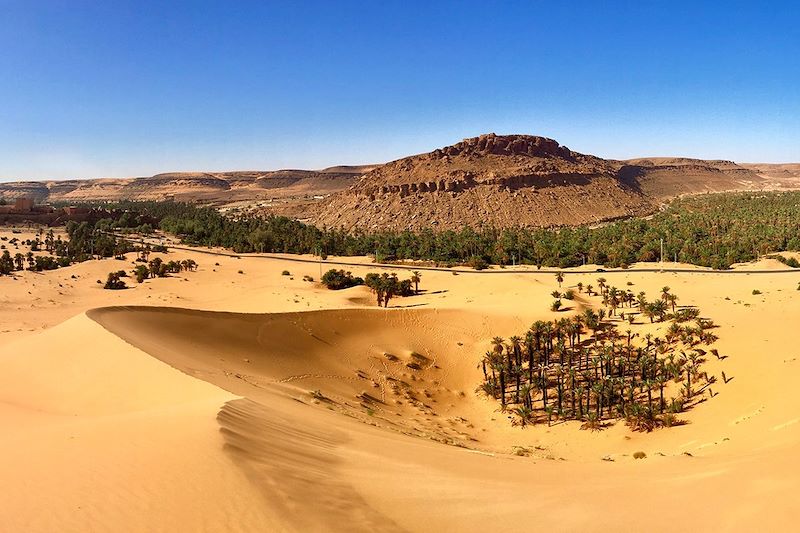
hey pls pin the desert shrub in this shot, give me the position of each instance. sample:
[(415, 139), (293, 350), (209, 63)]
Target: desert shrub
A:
[(45, 263), (114, 282), (639, 455), (790, 262), (756, 292), (687, 314), (286, 273), (336, 279), (556, 305), (308, 278), (569, 295), (141, 273), (478, 263)]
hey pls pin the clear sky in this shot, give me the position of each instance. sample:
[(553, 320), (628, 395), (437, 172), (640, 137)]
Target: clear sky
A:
[(91, 89)]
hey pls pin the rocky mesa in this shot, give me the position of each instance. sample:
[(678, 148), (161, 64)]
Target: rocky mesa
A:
[(519, 180)]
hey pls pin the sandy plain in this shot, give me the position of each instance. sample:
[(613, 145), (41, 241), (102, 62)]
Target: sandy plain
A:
[(185, 404)]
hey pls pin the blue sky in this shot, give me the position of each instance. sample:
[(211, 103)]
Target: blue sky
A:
[(90, 89)]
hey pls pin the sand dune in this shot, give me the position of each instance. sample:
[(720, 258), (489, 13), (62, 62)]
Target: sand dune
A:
[(154, 418), (275, 360)]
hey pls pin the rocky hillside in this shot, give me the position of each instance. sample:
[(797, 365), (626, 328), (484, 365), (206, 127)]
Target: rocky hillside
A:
[(508, 180)]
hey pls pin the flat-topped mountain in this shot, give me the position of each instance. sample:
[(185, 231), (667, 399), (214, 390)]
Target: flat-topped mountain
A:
[(212, 187), (520, 180)]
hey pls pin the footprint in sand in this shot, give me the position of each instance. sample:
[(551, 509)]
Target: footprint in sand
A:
[(748, 416)]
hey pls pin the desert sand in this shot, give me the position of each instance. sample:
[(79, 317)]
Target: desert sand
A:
[(224, 401)]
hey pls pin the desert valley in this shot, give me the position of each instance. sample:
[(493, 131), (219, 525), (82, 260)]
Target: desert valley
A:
[(249, 391), (399, 267)]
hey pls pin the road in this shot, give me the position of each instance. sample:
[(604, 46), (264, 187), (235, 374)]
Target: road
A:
[(393, 266)]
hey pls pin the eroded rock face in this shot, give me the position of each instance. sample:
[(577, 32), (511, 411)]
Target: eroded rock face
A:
[(502, 180), (490, 143), (517, 180)]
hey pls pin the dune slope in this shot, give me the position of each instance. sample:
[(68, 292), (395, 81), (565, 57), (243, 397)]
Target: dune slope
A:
[(374, 475)]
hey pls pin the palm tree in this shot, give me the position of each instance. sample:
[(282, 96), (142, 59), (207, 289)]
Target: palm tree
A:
[(497, 345), (611, 376), (671, 298), (416, 277), (601, 282)]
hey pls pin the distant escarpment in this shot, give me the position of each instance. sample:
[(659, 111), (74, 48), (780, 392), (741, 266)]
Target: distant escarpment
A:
[(207, 187), (518, 180)]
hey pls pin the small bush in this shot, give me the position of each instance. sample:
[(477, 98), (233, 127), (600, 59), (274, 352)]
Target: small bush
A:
[(756, 292), (241, 271), (478, 263), (569, 295), (556, 305), (113, 282), (308, 278), (639, 455), (340, 279), (286, 273)]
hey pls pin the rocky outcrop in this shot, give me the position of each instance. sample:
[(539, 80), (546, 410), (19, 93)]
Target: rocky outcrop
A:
[(518, 180)]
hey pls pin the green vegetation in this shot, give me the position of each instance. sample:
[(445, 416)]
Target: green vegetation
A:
[(790, 261), (583, 368), (384, 286), (84, 243), (387, 286), (713, 230), (337, 279), (158, 268), (114, 282)]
